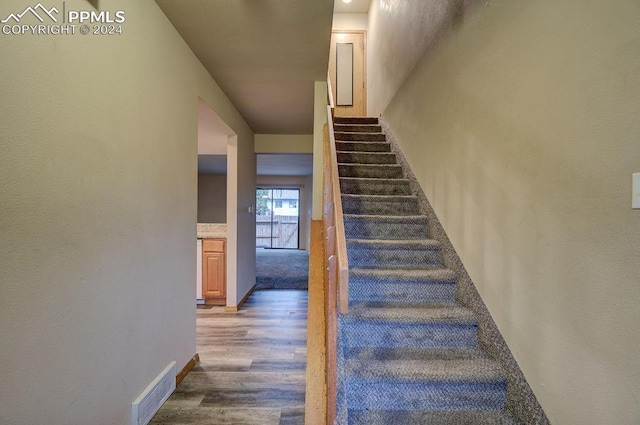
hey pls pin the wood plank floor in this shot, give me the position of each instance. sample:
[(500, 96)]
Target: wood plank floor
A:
[(252, 365)]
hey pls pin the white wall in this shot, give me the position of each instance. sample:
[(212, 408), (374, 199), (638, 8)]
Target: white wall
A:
[(522, 127), (98, 186), (212, 198), (305, 184)]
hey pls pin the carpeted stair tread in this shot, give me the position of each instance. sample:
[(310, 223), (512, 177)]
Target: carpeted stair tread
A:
[(363, 146), (374, 171), (412, 313), (362, 226), (355, 120), (380, 198), (436, 285), (392, 394), (416, 244), (367, 186), (480, 369), (429, 417), (357, 157), (390, 328), (356, 136), (404, 219), (358, 128), (380, 204), (394, 254), (442, 275), (389, 219), (380, 354)]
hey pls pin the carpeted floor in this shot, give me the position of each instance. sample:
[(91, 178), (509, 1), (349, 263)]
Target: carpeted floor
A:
[(282, 269)]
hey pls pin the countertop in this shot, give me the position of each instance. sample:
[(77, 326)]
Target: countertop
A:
[(212, 231)]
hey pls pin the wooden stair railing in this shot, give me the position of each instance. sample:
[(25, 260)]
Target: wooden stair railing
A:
[(328, 288), (330, 95), (336, 265), (336, 247), (332, 187)]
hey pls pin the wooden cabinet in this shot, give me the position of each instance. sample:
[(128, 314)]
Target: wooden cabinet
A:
[(214, 271)]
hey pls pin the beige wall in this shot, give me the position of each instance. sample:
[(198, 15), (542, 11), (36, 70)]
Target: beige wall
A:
[(284, 143), (523, 128), (98, 187), (213, 132), (305, 184), (398, 36), (241, 222), (212, 198), (350, 21)]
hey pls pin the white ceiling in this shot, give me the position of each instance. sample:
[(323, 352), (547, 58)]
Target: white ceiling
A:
[(356, 6), (264, 54)]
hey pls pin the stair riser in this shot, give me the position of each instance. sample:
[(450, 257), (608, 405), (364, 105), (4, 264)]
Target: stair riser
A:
[(393, 258), (355, 120), (425, 416), (380, 187), (389, 334), (365, 137), (363, 290), (354, 128), (375, 206), (370, 171), (366, 158), (364, 146), (399, 395), (371, 229)]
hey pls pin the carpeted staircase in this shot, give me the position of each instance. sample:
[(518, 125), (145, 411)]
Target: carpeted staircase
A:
[(408, 352)]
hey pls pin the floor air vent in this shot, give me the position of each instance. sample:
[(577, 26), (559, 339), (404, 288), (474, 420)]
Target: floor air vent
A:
[(145, 406)]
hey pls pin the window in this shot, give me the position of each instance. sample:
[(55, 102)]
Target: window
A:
[(277, 218)]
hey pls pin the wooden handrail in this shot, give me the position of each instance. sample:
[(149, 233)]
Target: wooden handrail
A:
[(330, 93), (338, 219), (328, 279), (336, 264)]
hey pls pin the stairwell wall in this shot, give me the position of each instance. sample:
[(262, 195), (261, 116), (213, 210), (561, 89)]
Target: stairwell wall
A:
[(521, 126), (98, 203), (399, 34)]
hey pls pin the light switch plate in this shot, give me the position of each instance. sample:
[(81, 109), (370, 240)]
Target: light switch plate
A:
[(635, 191)]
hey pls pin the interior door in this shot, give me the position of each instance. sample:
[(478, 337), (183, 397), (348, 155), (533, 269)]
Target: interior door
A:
[(347, 71)]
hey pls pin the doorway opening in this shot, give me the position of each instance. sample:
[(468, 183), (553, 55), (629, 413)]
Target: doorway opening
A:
[(278, 218), (348, 73)]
